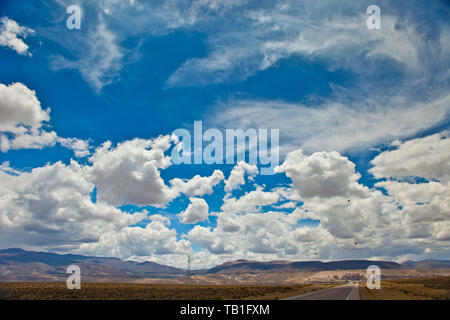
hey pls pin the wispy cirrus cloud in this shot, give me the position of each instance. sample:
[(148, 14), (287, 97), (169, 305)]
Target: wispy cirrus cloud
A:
[(245, 37), (97, 51), (335, 126), (99, 58), (332, 32)]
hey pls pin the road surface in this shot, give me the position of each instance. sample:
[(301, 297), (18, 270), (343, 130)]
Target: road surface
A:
[(345, 292)]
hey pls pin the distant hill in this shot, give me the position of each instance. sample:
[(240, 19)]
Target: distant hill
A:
[(244, 266), (427, 264), (21, 265)]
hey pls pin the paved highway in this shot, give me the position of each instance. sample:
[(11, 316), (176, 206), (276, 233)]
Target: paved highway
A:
[(345, 292)]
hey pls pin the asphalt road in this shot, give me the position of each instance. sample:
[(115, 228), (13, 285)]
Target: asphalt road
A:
[(345, 292)]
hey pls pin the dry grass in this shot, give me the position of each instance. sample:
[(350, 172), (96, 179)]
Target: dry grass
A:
[(107, 291), (435, 288)]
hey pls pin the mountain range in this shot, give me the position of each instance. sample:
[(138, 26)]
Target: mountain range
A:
[(21, 265)]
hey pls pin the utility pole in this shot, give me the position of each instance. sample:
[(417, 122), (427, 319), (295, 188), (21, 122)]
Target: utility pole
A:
[(188, 270)]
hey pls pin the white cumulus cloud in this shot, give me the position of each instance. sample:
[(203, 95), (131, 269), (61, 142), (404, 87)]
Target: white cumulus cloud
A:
[(197, 211), (129, 172), (197, 186), (23, 122), (12, 35), (51, 206), (322, 174), (427, 157), (237, 175)]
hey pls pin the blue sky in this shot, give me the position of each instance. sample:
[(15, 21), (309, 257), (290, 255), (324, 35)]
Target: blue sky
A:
[(369, 110)]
